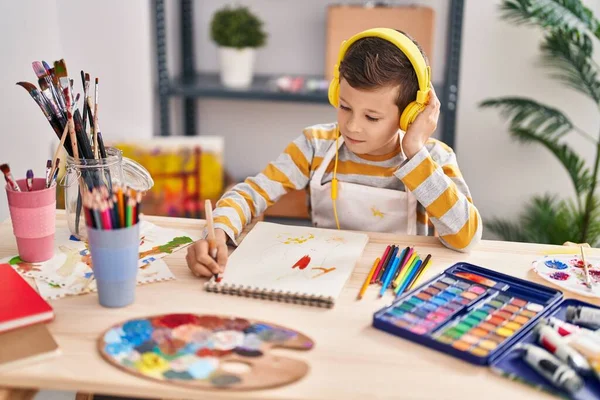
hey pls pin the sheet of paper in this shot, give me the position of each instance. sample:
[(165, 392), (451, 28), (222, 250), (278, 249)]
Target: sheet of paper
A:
[(71, 267), (295, 259)]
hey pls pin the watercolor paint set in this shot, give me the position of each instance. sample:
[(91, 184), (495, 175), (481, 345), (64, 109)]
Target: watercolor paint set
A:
[(488, 318), (469, 312)]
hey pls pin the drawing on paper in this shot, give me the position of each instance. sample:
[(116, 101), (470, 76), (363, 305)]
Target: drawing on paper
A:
[(71, 267)]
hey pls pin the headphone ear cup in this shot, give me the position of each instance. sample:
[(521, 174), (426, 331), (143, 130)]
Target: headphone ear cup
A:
[(410, 114), (334, 91)]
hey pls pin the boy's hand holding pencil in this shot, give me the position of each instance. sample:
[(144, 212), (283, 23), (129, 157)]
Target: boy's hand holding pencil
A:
[(208, 257)]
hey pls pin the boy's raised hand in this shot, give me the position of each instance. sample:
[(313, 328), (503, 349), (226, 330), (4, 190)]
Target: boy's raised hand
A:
[(199, 260), (423, 127)]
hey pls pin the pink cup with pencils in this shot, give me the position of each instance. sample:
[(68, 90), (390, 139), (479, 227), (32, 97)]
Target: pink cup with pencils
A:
[(32, 210)]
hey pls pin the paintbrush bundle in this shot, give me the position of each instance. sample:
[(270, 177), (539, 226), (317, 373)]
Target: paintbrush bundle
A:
[(58, 102), (114, 208)]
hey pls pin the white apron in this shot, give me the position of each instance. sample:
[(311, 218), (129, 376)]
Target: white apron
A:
[(360, 207)]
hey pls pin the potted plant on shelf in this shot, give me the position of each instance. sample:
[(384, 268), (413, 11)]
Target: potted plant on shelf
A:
[(238, 33)]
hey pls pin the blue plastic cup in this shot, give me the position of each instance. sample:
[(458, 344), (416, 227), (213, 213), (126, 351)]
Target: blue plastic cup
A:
[(115, 255)]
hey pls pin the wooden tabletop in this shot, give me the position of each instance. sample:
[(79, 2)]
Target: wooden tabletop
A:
[(351, 359)]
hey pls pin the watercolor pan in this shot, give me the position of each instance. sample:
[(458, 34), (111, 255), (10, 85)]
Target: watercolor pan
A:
[(466, 318)]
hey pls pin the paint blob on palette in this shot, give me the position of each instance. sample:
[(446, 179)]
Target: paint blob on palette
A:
[(194, 350), (566, 271)]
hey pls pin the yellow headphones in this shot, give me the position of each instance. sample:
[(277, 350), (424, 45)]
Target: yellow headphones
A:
[(409, 114)]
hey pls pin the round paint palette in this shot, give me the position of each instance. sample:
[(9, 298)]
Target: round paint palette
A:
[(200, 351), (566, 272)]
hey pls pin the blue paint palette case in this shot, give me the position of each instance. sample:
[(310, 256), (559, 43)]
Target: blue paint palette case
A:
[(479, 316)]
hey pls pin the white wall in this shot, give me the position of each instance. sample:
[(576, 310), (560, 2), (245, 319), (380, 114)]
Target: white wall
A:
[(499, 59), (111, 39), (29, 32)]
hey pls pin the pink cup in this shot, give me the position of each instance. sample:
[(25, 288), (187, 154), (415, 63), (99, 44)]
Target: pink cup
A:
[(33, 216)]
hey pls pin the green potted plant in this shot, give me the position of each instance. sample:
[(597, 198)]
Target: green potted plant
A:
[(571, 31), (238, 33)]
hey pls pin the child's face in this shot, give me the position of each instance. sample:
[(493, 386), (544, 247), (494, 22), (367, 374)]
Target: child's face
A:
[(368, 119)]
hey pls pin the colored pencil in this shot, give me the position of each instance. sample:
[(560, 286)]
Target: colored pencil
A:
[(423, 267), (388, 278), (386, 253), (387, 265), (367, 281), (405, 270), (409, 275), (407, 256), (392, 268)]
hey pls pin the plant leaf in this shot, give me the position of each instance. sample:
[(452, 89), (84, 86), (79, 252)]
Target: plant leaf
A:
[(528, 114), (551, 14), (569, 53), (506, 230), (575, 166)]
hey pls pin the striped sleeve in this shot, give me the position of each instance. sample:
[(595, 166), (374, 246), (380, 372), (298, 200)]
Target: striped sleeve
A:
[(434, 178), (246, 200)]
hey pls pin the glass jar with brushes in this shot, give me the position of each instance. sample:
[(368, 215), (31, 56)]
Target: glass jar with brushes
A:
[(114, 169)]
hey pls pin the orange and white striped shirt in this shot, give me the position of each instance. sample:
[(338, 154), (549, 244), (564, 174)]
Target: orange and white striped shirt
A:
[(444, 205)]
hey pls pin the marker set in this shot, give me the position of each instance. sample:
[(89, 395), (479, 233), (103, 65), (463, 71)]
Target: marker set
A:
[(516, 327)]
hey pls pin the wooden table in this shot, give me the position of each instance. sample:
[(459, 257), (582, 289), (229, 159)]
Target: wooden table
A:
[(351, 360)]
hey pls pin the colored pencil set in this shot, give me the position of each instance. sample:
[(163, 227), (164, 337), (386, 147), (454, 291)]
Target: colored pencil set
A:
[(398, 269), (119, 208)]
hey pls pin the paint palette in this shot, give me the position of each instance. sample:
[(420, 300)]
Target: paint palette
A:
[(566, 272), (470, 312), (200, 351)]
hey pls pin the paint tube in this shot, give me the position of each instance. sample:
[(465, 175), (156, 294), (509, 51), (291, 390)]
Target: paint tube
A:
[(551, 368), (563, 328), (588, 345), (582, 315), (557, 345)]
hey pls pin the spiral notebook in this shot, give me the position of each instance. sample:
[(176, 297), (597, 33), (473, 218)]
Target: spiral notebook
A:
[(293, 264)]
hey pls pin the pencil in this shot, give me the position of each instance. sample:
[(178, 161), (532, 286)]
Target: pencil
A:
[(409, 276), (413, 258), (212, 240), (424, 266), (368, 280), (386, 267), (381, 262), (388, 277), (407, 255)]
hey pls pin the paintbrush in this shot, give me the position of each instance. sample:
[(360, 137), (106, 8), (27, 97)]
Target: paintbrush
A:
[(29, 180), (96, 120), (57, 151), (48, 171), (42, 74), (101, 145), (9, 178), (588, 281), (85, 81), (55, 175), (41, 102), (60, 69), (70, 123), (52, 103), (212, 240)]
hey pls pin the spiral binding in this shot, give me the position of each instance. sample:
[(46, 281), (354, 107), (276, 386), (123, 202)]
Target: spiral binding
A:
[(273, 295)]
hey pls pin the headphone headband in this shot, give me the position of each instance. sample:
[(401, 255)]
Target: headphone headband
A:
[(407, 46), (412, 52)]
